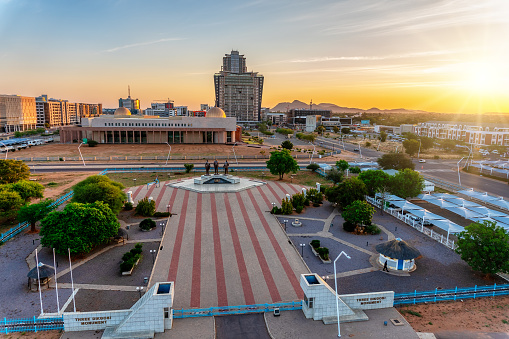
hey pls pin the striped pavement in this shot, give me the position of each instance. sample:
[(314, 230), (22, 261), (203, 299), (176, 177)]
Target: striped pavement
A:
[(225, 249)]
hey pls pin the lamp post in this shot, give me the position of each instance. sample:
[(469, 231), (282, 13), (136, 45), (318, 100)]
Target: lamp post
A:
[(235, 155), (139, 289), (153, 252), (419, 152), (168, 157), (302, 250), (273, 205), (459, 178), (285, 221), (134, 181), (163, 224), (310, 160), (168, 208), (397, 146), (336, 287), (6, 150), (78, 151), (360, 149)]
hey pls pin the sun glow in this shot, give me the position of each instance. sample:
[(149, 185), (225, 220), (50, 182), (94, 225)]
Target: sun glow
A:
[(485, 78)]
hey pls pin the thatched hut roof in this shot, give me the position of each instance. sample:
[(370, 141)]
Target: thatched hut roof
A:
[(45, 271), (398, 249)]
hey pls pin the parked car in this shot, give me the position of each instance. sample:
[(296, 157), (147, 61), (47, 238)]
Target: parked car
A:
[(422, 160)]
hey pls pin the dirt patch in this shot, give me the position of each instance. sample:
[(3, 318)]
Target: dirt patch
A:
[(58, 183), (32, 335), (478, 315)]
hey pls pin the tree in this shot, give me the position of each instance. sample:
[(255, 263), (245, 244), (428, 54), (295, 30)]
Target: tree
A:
[(35, 212), (406, 184), (374, 180), (287, 144), (485, 247), (320, 129), (27, 189), (10, 203), (335, 129), (358, 213), (411, 146), (334, 175), (188, 167), (342, 165), (426, 142), (314, 166), (346, 192), (79, 227), (13, 171), (395, 161), (383, 136), (345, 130), (281, 163), (145, 207), (100, 188)]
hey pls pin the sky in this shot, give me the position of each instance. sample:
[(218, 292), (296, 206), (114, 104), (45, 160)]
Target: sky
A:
[(434, 55)]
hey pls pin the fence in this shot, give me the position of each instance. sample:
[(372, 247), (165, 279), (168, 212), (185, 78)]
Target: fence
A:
[(451, 294), (31, 325), (230, 310), (418, 226), (23, 225)]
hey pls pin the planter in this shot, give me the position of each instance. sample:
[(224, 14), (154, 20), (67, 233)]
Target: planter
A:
[(313, 250), (131, 270), (153, 228), (325, 261)]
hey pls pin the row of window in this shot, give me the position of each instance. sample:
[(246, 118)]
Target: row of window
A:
[(145, 124)]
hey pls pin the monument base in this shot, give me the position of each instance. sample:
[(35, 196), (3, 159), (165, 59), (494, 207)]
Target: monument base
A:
[(216, 179)]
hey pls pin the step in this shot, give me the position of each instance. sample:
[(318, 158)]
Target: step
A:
[(358, 315), (110, 333)]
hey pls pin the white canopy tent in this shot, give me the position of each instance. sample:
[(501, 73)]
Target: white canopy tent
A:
[(464, 212), (486, 211), (441, 203), (448, 226), (501, 203), (460, 202), (501, 224), (405, 205)]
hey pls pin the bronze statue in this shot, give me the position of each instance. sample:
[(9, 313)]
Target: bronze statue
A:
[(225, 166), (216, 167), (207, 168)]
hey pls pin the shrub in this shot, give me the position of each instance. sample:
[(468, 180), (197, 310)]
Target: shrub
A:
[(436, 157), (298, 199), (128, 206), (314, 166), (287, 144), (368, 144), (373, 229), (126, 266), (348, 226), (147, 224), (92, 143), (306, 202), (299, 208), (315, 243), (314, 195), (145, 207), (323, 252), (189, 167), (286, 206), (355, 170), (276, 210), (130, 258), (162, 214)]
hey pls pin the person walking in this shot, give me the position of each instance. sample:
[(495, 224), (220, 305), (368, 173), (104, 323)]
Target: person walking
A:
[(385, 267)]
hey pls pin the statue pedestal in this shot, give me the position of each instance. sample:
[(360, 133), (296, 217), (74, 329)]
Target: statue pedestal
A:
[(216, 179)]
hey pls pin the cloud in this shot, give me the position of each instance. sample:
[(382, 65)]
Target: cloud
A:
[(115, 49), (382, 57)]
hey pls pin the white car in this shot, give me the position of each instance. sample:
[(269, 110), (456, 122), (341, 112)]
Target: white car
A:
[(422, 160)]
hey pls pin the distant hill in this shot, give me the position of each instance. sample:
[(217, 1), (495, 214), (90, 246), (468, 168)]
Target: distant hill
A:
[(296, 104)]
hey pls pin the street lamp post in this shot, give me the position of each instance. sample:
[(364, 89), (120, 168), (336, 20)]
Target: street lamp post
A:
[(168, 157), (235, 155), (336, 288), (360, 149), (285, 221), (418, 153), (139, 289), (81, 156), (302, 250), (459, 178), (168, 208), (397, 146), (153, 252), (6, 150), (134, 181), (311, 160)]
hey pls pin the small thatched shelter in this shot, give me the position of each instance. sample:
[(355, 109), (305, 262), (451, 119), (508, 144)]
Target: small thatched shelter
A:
[(45, 274), (398, 254)]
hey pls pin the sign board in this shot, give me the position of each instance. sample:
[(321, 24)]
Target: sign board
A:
[(365, 122), (85, 140)]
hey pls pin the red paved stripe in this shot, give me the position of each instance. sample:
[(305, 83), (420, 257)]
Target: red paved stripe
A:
[(241, 263), (293, 188), (277, 197), (172, 198), (222, 297), (150, 190), (281, 187), (282, 258), (196, 279), (271, 285), (160, 196), (135, 194), (172, 274)]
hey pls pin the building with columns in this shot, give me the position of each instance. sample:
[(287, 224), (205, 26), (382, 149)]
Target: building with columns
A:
[(124, 128)]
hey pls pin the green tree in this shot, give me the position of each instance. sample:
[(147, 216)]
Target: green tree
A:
[(287, 144), (79, 227), (10, 203), (13, 171), (281, 163), (358, 213), (375, 180), (406, 184), (485, 247), (342, 165), (313, 166), (335, 129), (320, 129), (395, 161), (100, 188), (35, 212), (27, 189), (383, 136), (411, 146), (188, 167), (145, 207), (284, 131), (426, 142), (346, 192), (345, 130), (335, 175)]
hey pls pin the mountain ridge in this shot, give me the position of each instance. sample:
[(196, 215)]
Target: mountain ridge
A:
[(296, 104)]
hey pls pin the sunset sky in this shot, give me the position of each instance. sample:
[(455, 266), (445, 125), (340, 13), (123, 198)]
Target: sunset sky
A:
[(434, 55)]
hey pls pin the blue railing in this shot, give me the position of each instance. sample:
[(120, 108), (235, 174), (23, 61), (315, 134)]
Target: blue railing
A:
[(23, 225), (229, 310), (31, 325), (451, 294)]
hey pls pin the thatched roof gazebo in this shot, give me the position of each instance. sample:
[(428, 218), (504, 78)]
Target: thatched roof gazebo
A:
[(45, 274), (398, 254)]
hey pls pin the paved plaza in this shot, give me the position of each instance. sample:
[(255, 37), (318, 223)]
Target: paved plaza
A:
[(225, 248)]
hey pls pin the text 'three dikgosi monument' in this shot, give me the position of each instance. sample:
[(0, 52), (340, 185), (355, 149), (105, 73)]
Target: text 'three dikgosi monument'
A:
[(239, 92)]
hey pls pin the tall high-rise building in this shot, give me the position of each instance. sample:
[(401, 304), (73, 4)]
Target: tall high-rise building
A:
[(131, 104), (239, 92), (17, 113)]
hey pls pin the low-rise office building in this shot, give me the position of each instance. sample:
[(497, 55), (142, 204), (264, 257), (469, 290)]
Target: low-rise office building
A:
[(473, 134), (124, 128)]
